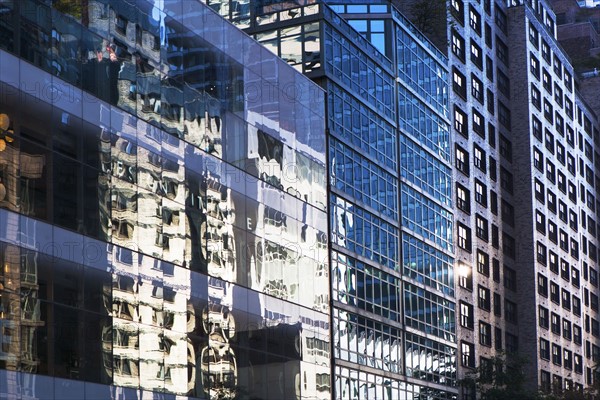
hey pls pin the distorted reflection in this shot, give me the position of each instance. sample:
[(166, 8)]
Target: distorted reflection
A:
[(206, 208)]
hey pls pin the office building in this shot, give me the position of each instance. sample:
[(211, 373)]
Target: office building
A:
[(163, 225), (390, 202)]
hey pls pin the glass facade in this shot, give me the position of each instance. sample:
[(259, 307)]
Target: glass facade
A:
[(163, 223), (390, 202)]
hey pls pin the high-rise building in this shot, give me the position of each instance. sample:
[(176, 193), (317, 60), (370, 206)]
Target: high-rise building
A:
[(487, 270), (390, 189), (163, 225), (555, 159)]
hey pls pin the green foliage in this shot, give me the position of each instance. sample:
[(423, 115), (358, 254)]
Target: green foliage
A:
[(501, 378), (71, 7)]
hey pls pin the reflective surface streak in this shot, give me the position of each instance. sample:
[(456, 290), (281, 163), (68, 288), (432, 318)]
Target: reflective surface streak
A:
[(164, 226)]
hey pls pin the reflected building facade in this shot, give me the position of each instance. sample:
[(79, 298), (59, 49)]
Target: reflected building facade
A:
[(163, 208), (390, 191)]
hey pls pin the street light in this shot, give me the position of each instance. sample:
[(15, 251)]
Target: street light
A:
[(6, 134)]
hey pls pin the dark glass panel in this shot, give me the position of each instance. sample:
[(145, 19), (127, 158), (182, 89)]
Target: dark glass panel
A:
[(67, 192), (97, 291), (7, 25)]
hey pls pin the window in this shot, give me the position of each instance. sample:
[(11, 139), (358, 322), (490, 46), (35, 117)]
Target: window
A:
[(506, 180), (563, 240), (508, 213), (555, 323), (566, 329), (497, 338), (541, 253), (578, 361), (474, 20), (569, 108), (505, 148), (554, 293), (575, 277), (560, 153), (539, 191), (467, 354), (484, 298), (465, 277), (458, 45), (458, 11), (538, 159), (559, 123), (540, 222), (565, 270), (489, 68), (558, 95), (546, 81), (476, 55), (551, 201), (536, 127), (459, 83), (485, 334), (552, 232), (497, 304), (480, 193), (562, 213), (483, 263), (462, 160), (557, 67), (542, 285), (544, 349), (568, 80), (510, 278), (556, 354), (543, 318), (566, 299), (549, 142), (548, 111), (512, 343), (546, 54), (478, 123), (534, 37), (536, 97), (492, 135), (576, 306), (504, 115), (501, 51), (463, 201), (476, 88), (464, 237), (460, 119), (500, 19), (466, 315), (496, 269), (553, 261), (493, 169), (577, 338), (490, 101), (488, 35), (550, 172), (479, 158), (503, 83), (545, 385), (510, 311), (481, 225), (568, 359), (534, 65), (508, 245), (573, 220)]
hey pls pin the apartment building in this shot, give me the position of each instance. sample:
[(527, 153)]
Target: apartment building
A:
[(556, 161)]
